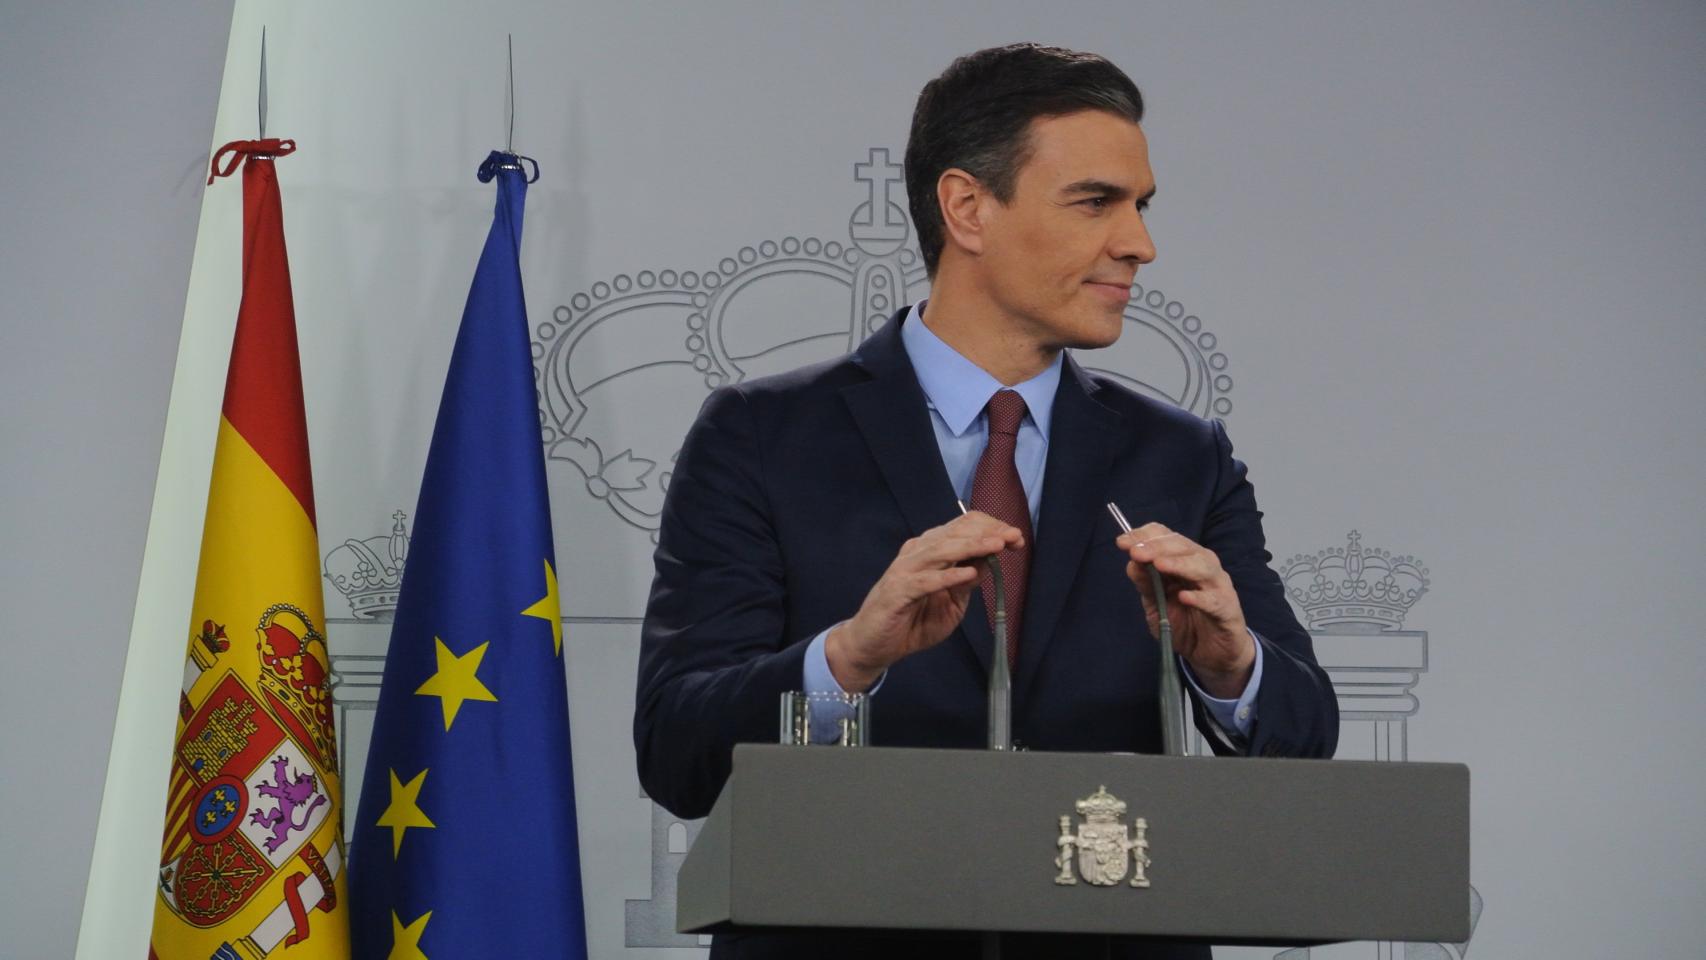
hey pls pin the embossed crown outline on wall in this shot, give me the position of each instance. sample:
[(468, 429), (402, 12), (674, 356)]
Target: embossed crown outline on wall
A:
[(369, 572), (1353, 586), (876, 272)]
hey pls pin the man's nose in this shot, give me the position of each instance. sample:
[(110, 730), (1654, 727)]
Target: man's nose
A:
[(1132, 241)]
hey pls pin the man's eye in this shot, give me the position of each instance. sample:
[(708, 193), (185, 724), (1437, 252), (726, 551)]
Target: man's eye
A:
[(1096, 203)]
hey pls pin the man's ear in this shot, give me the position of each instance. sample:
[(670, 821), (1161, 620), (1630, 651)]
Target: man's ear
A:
[(962, 200)]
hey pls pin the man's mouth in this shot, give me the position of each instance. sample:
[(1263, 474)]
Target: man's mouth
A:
[(1114, 290)]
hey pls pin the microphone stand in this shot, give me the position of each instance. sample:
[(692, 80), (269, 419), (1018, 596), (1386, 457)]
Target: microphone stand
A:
[(1000, 678), (1172, 696)]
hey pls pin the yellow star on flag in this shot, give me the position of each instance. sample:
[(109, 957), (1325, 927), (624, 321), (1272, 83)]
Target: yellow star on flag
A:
[(549, 608), (455, 681), (405, 810), (406, 941)]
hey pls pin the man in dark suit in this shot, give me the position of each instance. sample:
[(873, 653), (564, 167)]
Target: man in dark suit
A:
[(811, 537)]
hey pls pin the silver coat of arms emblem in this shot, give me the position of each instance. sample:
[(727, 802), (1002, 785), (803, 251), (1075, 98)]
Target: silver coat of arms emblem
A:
[(1105, 852)]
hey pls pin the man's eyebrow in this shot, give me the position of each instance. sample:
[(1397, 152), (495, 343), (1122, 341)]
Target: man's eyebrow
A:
[(1103, 188)]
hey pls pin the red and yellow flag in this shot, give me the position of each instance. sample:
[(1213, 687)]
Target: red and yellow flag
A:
[(252, 861)]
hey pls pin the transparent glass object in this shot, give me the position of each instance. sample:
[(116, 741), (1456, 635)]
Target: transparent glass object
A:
[(835, 719)]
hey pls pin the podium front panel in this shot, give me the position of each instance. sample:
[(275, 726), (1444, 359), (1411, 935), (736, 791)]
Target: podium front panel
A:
[(1237, 849)]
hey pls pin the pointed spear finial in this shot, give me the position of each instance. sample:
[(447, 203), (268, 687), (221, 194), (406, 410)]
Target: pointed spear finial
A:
[(509, 141), (261, 98)]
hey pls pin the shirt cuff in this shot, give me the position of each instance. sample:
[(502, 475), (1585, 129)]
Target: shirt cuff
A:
[(1239, 714), (818, 678)]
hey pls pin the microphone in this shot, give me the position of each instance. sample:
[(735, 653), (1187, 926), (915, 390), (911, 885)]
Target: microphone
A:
[(1172, 696), (1000, 679)]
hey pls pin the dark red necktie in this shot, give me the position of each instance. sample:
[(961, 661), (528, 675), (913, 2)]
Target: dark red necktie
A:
[(996, 490)]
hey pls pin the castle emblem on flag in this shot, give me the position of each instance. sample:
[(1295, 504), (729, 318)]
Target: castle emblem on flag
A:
[(1105, 852), (248, 778)]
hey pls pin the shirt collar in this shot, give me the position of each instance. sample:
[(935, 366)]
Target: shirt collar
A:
[(959, 389)]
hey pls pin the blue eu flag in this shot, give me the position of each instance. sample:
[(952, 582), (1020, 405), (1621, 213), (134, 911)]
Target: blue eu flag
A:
[(465, 839)]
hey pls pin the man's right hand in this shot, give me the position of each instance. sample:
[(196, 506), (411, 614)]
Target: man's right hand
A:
[(918, 601)]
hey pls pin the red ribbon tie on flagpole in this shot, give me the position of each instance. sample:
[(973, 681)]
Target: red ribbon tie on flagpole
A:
[(238, 149)]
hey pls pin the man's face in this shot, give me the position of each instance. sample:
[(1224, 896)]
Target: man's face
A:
[(1059, 257)]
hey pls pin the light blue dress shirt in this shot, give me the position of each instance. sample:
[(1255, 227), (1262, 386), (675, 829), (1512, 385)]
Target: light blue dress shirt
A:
[(956, 392)]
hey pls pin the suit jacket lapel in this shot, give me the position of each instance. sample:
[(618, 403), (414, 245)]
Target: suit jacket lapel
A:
[(892, 416), (1083, 437)]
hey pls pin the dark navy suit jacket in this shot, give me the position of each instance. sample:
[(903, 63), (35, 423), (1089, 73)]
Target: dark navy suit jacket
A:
[(791, 496)]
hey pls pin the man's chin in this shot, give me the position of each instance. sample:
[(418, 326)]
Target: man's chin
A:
[(1101, 329), (1096, 343)]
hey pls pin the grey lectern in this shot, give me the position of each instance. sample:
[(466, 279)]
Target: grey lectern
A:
[(1284, 852)]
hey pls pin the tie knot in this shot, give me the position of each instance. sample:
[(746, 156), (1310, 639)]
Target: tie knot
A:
[(1006, 412)]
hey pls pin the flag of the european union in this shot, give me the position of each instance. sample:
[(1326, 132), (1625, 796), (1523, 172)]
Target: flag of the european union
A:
[(465, 842)]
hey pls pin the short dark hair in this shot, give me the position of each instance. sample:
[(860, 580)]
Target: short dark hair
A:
[(976, 116)]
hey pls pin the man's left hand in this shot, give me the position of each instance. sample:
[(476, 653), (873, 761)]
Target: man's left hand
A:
[(1202, 607)]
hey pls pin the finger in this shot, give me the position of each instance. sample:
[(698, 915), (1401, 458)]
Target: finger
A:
[(960, 594), (953, 549), (904, 590), (1148, 551), (1139, 575), (1161, 545), (1199, 568), (1195, 567), (963, 549), (927, 548), (1149, 531), (1215, 603), (926, 582), (976, 521)]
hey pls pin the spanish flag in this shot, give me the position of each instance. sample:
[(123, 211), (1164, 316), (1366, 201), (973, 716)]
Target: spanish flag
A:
[(252, 861)]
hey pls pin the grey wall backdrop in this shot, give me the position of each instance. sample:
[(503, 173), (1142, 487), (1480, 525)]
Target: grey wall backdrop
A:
[(107, 110), (1438, 267)]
